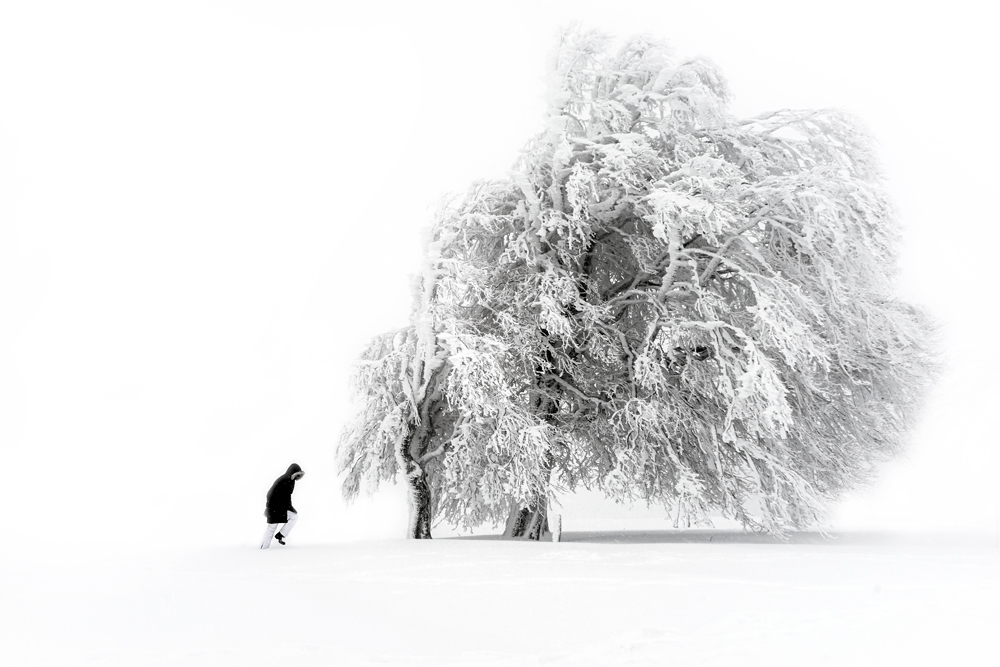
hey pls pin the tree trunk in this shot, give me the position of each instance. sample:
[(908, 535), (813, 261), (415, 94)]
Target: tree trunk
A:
[(419, 527), (419, 524), (531, 522), (528, 523)]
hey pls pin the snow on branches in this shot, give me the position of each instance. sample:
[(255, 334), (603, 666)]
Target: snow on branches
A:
[(663, 301)]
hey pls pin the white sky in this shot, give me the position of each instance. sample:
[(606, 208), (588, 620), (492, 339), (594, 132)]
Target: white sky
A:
[(207, 208)]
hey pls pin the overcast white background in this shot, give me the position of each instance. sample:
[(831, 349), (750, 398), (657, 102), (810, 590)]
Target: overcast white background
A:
[(207, 208)]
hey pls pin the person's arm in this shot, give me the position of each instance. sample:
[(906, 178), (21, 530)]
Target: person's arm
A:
[(271, 495), (286, 495)]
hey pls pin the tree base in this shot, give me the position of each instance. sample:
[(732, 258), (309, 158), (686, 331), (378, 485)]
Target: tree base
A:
[(419, 527), (527, 523)]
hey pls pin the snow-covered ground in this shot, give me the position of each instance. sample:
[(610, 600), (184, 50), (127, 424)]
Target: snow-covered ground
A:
[(697, 597)]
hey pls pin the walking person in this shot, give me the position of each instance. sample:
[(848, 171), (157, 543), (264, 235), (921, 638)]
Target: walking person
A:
[(279, 506)]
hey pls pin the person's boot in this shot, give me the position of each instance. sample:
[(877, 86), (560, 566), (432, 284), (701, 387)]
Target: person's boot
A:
[(280, 538)]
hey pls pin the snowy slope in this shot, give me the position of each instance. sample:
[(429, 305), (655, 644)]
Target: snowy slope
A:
[(599, 598)]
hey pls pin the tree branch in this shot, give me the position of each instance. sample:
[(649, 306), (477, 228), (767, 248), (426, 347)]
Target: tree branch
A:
[(566, 384), (714, 264)]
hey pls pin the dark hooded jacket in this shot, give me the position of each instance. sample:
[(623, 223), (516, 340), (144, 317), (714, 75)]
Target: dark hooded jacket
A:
[(279, 498)]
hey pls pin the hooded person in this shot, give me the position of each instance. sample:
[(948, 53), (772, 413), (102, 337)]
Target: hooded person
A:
[(279, 508)]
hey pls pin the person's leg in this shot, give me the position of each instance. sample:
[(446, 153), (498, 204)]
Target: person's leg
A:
[(268, 534), (287, 528)]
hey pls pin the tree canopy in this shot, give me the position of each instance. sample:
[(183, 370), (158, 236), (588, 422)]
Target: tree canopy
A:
[(663, 301)]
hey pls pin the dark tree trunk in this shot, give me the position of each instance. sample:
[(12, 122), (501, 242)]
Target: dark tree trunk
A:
[(419, 492), (419, 527), (528, 523), (531, 522), (515, 522), (537, 524)]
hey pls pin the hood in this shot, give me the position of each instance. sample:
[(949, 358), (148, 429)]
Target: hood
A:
[(294, 468)]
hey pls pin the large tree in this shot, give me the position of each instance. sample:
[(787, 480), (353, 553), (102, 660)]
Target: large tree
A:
[(663, 301)]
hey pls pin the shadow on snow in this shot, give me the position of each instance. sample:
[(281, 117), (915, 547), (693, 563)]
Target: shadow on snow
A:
[(716, 536)]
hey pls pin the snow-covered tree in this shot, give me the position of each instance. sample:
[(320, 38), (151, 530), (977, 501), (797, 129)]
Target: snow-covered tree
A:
[(444, 400), (664, 302)]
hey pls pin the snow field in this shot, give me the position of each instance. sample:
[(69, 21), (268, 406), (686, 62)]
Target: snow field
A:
[(601, 598)]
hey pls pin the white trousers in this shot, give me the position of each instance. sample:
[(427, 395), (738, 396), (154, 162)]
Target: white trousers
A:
[(272, 528)]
